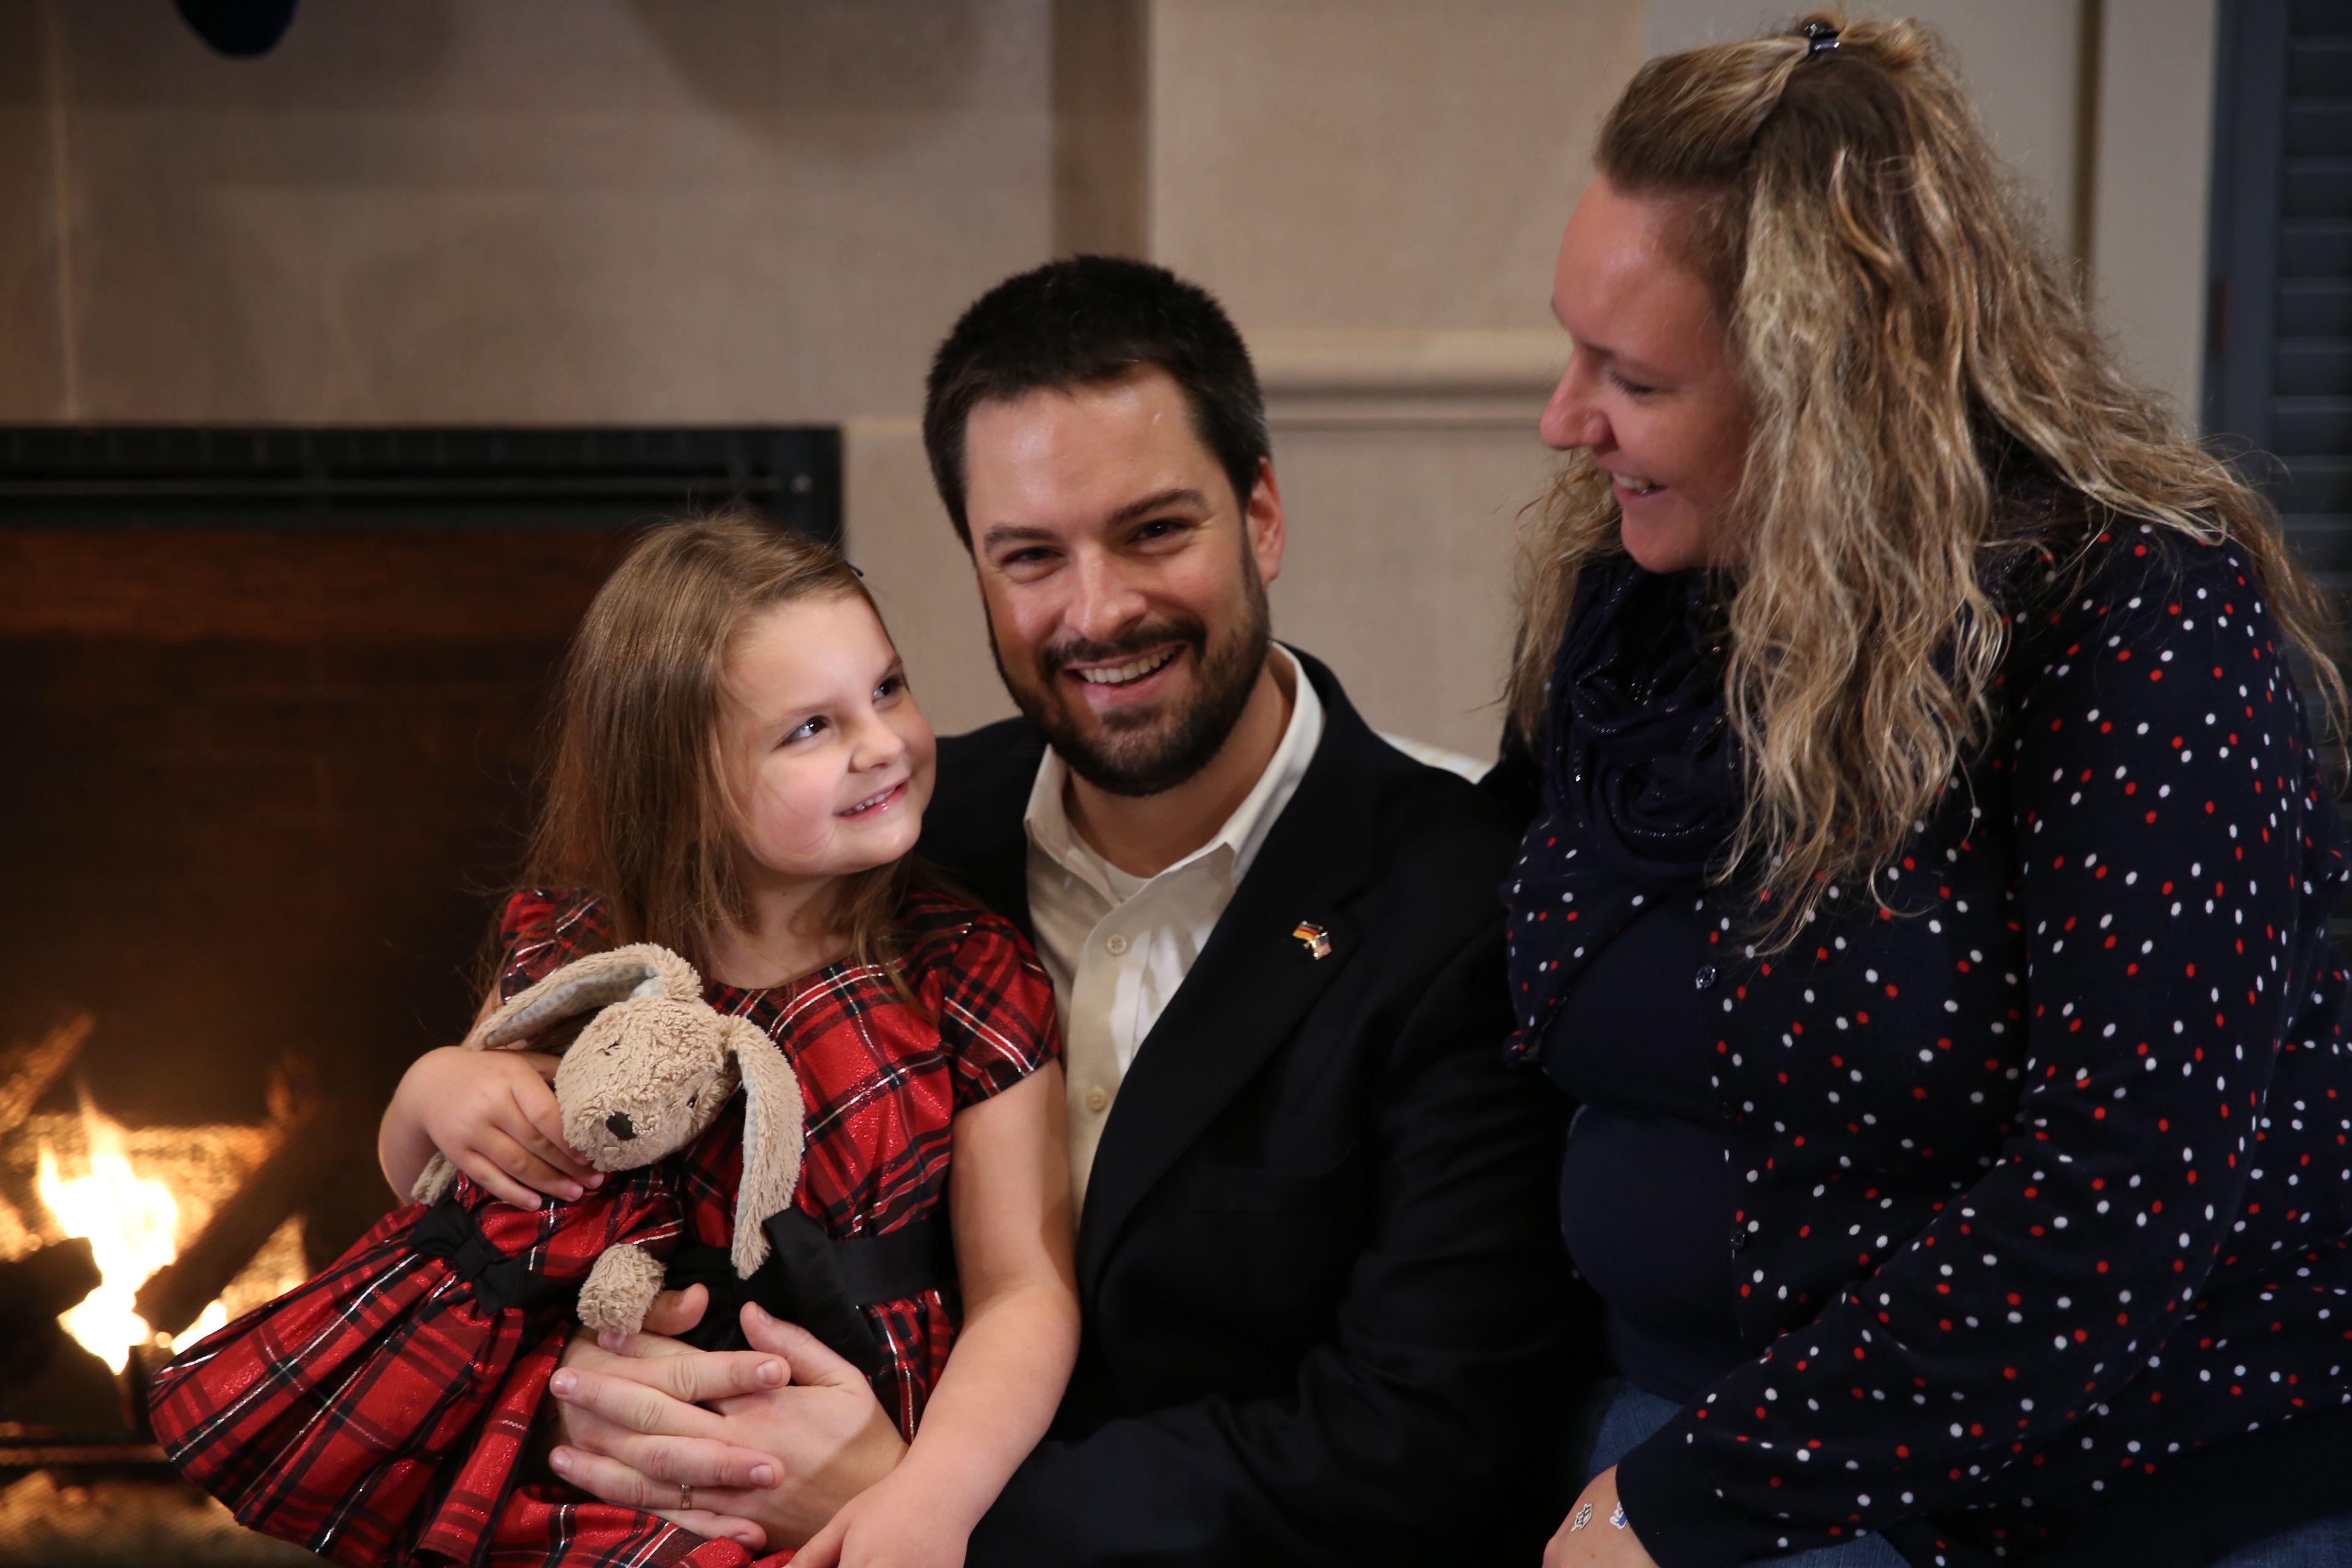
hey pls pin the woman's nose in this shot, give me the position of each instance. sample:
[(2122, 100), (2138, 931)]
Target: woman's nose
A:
[(1569, 420)]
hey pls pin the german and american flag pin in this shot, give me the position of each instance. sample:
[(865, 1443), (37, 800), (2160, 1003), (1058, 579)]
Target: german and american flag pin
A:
[(1318, 939)]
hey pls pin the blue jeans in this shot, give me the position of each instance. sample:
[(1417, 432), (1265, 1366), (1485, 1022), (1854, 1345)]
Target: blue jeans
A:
[(1631, 1416)]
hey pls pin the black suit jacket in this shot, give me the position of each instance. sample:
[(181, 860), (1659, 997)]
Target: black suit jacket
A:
[(1325, 1302)]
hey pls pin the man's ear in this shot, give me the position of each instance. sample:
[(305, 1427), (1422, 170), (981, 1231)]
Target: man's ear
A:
[(1262, 518)]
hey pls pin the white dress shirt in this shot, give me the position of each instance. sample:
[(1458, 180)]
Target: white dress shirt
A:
[(1117, 946)]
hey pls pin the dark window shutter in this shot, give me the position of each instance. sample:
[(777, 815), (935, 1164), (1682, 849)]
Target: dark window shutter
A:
[(2279, 383), (2278, 390)]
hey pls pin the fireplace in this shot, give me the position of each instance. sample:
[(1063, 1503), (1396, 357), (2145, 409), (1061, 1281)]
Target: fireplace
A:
[(271, 700)]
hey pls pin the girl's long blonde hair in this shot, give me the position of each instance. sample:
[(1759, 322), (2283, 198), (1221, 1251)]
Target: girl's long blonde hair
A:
[(1905, 341), (637, 808)]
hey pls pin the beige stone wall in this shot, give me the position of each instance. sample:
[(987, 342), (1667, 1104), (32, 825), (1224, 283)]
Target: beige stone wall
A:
[(1376, 188), (750, 210), (591, 210), (2148, 208)]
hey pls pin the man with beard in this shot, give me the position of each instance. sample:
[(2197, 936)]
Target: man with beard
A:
[(1325, 1307)]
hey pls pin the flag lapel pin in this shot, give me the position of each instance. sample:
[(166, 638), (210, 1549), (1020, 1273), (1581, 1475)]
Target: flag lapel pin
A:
[(1318, 939)]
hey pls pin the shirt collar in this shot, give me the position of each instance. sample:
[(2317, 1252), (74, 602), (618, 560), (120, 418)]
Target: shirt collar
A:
[(1048, 823)]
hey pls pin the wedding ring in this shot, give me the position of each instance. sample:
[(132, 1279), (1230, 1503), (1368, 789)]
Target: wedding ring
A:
[(1618, 1518), (684, 1496), (1583, 1517)]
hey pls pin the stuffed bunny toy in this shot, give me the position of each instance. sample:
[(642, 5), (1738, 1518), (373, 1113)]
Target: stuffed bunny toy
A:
[(646, 1078)]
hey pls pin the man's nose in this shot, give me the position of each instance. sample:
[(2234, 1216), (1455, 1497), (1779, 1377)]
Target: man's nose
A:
[(1107, 600)]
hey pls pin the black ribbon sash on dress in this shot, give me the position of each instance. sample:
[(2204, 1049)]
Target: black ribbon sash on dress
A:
[(817, 1281), (449, 1230), (1640, 771)]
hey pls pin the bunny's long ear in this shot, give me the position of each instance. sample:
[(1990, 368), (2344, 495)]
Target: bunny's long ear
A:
[(772, 1140), (584, 985)]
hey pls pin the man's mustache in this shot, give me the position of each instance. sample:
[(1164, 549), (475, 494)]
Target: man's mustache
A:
[(1055, 657)]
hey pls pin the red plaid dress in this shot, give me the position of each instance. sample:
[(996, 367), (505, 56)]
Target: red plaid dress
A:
[(882, 1084), (379, 1409)]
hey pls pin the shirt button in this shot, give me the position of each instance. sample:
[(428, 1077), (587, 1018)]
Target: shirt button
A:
[(1704, 977), (1738, 1237), (1116, 943), (1097, 1098)]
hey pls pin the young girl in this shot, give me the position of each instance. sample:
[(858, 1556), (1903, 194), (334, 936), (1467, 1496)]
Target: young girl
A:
[(740, 774)]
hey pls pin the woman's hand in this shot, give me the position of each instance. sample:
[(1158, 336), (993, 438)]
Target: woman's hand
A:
[(493, 1114), (1586, 1537), (774, 1441)]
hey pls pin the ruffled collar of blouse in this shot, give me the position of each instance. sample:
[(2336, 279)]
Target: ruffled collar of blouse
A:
[(1641, 773), (1642, 756)]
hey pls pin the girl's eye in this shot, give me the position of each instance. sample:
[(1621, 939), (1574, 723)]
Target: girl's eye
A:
[(807, 727), (891, 687)]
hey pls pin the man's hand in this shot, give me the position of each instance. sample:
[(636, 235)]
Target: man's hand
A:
[(791, 1432), (1595, 1542)]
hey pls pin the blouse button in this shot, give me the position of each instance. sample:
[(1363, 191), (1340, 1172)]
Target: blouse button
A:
[(1704, 977), (1738, 1237), (1097, 1098), (1115, 943)]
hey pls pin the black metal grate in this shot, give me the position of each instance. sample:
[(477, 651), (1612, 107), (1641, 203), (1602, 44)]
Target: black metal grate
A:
[(187, 477)]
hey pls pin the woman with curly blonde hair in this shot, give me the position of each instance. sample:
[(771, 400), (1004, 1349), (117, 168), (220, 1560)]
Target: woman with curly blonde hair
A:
[(1926, 906)]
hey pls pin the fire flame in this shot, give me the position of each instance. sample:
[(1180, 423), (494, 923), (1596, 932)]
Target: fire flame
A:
[(133, 1225)]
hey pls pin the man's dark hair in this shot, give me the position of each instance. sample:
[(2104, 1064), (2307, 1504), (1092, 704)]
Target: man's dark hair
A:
[(1084, 320)]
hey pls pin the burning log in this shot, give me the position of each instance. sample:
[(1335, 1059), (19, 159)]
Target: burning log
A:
[(174, 1296), (26, 1071), (36, 1287)]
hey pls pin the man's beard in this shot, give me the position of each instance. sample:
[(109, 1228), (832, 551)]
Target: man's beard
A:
[(1152, 749)]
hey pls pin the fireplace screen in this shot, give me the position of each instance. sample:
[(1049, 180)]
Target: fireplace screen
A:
[(269, 700)]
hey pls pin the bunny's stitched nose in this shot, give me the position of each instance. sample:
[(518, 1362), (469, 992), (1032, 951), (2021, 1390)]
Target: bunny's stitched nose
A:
[(619, 1123)]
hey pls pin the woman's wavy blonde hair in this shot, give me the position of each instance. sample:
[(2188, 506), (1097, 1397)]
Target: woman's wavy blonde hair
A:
[(1905, 341)]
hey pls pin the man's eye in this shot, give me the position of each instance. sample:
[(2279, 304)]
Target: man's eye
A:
[(1158, 527)]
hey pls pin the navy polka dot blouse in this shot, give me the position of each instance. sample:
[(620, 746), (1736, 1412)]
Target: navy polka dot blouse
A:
[(2044, 1176)]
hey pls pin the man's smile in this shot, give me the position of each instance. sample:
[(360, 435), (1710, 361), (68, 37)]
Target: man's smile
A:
[(1132, 679)]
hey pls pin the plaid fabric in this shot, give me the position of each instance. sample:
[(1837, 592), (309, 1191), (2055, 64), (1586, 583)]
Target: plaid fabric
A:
[(378, 1410), (881, 1081), (377, 1415)]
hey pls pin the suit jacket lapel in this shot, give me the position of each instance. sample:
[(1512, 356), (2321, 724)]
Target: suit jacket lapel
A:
[(1251, 985), (973, 831), (998, 872)]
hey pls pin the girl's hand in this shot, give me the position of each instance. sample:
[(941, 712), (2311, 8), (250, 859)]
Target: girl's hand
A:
[(888, 1525), (492, 1113), (1597, 1543)]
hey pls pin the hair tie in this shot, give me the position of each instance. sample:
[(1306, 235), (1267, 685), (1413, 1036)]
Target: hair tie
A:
[(1820, 37)]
